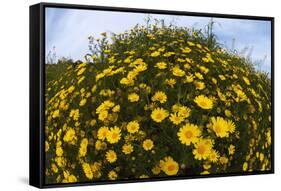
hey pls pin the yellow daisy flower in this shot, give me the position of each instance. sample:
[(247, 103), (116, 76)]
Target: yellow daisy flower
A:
[(221, 127), (81, 71), (82, 102), (159, 114), (186, 50), (113, 135), (203, 148), (74, 113), (133, 97), (133, 126), (245, 166), (69, 178), (246, 80), (59, 151), (227, 113), (161, 65), (112, 175), (159, 96), (83, 147), (214, 156), (231, 149), (47, 146), (189, 78), (199, 76), (111, 156), (102, 132), (156, 170), (56, 113), (176, 119), (103, 115), (69, 135), (171, 82), (203, 102), (184, 111), (231, 126), (155, 54), (177, 71), (189, 133), (127, 149), (169, 166), (116, 108), (199, 85), (147, 144), (87, 170)]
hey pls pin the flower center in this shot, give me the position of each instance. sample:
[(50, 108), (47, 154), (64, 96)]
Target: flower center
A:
[(217, 129), (176, 118), (171, 167), (159, 116), (201, 149), (188, 134), (147, 145), (114, 135)]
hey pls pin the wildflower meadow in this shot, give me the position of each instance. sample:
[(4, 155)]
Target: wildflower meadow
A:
[(155, 101)]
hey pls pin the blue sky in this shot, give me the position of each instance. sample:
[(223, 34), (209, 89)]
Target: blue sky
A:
[(68, 30)]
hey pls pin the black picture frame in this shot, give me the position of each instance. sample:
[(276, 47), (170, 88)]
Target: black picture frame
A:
[(37, 79)]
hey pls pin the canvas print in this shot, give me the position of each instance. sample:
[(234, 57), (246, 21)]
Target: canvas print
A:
[(135, 96)]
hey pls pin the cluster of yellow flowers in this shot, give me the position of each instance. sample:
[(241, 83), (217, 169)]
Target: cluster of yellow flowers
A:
[(158, 102)]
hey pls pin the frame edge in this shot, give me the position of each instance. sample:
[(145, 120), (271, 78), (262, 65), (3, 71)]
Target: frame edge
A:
[(35, 178)]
